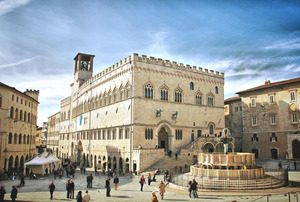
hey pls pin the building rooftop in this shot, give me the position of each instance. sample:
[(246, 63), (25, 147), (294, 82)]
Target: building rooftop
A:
[(268, 84)]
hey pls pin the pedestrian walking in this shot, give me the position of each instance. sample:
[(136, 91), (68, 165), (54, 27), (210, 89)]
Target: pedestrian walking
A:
[(84, 170), (46, 171), (288, 166), (68, 188), (176, 156), (86, 197), (60, 172), (142, 181), (190, 187), (149, 179), (295, 165), (14, 193), (51, 188), (81, 169), (95, 170), (13, 176), (22, 183), (280, 165), (116, 182), (54, 173), (79, 196), (2, 193), (162, 189), (72, 188), (194, 188), (107, 186), (154, 198)]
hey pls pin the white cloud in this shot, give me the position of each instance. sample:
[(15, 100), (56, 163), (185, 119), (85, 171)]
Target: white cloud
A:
[(18, 62), (285, 44), (9, 5)]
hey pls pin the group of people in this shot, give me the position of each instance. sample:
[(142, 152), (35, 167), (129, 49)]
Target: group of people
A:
[(13, 194), (192, 185), (288, 165), (70, 192)]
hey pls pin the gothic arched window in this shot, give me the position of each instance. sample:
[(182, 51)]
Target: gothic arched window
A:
[(149, 91), (164, 94), (178, 95)]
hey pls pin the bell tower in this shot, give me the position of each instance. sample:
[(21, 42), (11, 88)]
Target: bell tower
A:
[(83, 69)]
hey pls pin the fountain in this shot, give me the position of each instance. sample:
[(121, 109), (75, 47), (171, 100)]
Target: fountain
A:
[(230, 170)]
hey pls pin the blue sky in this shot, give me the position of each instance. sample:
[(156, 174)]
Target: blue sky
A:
[(250, 41)]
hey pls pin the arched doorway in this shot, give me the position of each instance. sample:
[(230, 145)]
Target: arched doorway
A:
[(296, 149), (120, 165), (109, 162), (208, 148), (104, 163), (16, 163), (163, 139), (22, 163), (115, 164), (83, 159), (10, 163), (127, 166)]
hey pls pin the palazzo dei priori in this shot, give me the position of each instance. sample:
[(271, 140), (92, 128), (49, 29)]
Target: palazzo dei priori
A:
[(130, 114)]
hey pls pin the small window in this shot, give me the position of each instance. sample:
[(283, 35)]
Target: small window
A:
[(21, 101), (17, 99), (120, 134), (293, 96), (254, 138), (12, 97), (273, 138), (178, 134), (191, 86), (254, 122), (236, 109), (211, 129), (216, 90), (253, 103), (199, 133), (273, 119), (294, 118), (271, 99)]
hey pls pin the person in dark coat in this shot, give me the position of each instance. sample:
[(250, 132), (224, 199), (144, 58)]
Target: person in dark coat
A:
[(116, 182), (72, 188), (68, 188), (51, 188), (2, 193), (107, 186), (14, 193), (79, 196), (22, 181)]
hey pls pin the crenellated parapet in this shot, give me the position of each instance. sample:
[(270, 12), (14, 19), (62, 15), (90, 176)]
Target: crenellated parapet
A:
[(173, 64), (132, 59)]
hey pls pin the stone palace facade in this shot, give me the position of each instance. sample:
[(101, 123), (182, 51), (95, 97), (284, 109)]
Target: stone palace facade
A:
[(130, 114)]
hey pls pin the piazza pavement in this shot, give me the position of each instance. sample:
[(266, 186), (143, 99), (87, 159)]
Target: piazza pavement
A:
[(129, 190)]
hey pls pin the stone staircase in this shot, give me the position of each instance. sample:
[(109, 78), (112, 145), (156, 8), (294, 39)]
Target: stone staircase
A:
[(169, 163)]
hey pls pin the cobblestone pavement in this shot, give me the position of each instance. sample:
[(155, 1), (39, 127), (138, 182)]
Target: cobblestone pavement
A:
[(129, 190)]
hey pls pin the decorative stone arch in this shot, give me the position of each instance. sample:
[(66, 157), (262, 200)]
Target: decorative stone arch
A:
[(16, 164), (114, 164), (295, 148), (109, 162), (127, 89), (208, 147), (164, 134), (219, 148), (22, 163), (104, 163), (10, 162)]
